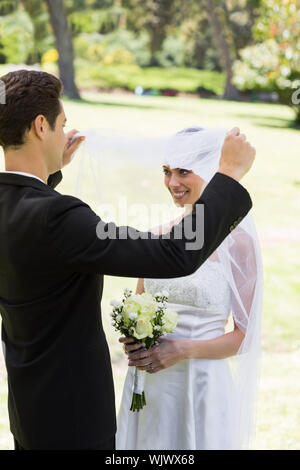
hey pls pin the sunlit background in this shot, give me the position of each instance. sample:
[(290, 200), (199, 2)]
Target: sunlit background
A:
[(153, 68)]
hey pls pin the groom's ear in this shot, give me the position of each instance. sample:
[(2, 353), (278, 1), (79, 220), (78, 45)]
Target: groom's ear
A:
[(40, 127)]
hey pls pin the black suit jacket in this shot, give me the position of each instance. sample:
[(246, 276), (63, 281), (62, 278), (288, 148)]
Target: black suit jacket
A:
[(61, 393)]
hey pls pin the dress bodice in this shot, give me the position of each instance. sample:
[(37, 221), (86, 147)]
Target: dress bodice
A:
[(201, 299), (207, 288)]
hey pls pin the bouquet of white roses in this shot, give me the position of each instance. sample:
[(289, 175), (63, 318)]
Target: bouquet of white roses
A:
[(145, 318)]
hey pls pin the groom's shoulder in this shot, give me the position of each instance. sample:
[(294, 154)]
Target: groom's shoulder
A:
[(69, 218), (64, 206), (65, 202)]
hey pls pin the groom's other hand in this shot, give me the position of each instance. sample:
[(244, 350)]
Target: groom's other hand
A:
[(237, 155), (129, 344), (71, 147)]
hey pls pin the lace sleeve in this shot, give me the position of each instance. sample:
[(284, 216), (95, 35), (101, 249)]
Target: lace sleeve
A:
[(244, 274)]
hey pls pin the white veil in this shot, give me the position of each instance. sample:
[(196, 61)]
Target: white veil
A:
[(199, 150)]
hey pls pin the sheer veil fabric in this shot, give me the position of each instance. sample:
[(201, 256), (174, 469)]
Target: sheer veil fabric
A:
[(239, 255)]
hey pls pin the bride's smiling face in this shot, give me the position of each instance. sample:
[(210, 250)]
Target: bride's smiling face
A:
[(185, 187)]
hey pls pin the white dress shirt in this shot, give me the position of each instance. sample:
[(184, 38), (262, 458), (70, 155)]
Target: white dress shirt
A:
[(25, 174)]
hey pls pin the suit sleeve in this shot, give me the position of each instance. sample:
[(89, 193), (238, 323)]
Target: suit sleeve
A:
[(77, 236), (54, 179)]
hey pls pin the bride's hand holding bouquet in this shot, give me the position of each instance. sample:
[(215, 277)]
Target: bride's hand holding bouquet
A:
[(145, 318)]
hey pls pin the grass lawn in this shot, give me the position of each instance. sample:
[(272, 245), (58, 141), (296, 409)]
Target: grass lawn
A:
[(130, 76), (274, 184)]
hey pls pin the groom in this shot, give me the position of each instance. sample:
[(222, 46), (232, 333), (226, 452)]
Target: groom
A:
[(52, 263)]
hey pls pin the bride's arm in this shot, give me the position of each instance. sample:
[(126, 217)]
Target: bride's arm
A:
[(218, 348), (140, 286)]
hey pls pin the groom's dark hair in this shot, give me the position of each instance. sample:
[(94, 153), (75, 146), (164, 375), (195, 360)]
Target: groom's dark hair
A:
[(27, 94)]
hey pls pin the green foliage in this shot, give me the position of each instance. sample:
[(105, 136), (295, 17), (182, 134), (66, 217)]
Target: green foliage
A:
[(42, 32), (198, 39), (274, 63), (160, 19), (8, 6), (16, 36), (166, 33), (172, 53), (25, 32), (103, 21), (239, 16), (118, 47)]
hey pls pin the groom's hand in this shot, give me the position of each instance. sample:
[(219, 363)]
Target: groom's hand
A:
[(237, 155), (70, 148)]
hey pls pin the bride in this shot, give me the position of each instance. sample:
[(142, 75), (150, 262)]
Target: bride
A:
[(200, 383)]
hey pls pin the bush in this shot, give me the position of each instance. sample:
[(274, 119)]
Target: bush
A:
[(119, 47), (130, 76), (274, 63), (172, 53), (16, 33), (261, 68)]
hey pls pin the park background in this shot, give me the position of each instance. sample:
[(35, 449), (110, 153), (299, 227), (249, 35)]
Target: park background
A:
[(154, 67)]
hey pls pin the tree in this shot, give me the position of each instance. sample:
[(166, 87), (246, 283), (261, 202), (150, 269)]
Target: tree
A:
[(42, 34), (59, 22), (38, 13), (221, 41), (154, 16), (238, 18)]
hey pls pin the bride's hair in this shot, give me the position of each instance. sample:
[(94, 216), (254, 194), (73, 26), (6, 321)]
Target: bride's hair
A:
[(189, 130)]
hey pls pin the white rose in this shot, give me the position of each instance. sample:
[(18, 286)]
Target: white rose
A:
[(170, 320), (130, 306), (143, 329), (148, 306)]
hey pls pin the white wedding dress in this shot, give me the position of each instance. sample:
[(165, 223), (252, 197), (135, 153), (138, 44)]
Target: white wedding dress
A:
[(190, 405)]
